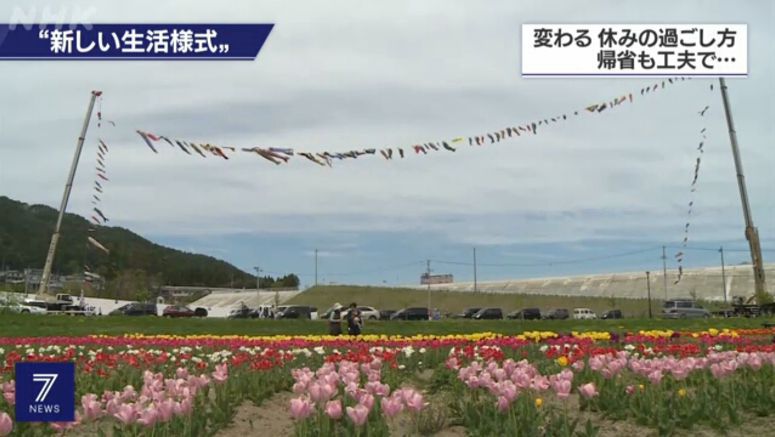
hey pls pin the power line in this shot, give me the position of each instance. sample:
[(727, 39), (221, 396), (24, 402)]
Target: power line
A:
[(715, 249), (357, 272), (549, 263)]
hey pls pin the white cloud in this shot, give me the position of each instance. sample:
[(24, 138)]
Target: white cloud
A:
[(351, 74)]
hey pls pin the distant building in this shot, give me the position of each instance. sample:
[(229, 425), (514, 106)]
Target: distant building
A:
[(12, 277), (426, 279)]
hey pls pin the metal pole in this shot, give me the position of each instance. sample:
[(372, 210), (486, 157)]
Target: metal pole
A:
[(428, 277), (316, 267), (648, 287), (723, 274), (258, 283), (44, 279), (751, 233), (475, 289), (664, 270)]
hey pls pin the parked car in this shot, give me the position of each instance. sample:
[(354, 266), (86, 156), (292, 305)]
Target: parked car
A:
[(136, 309), (416, 313), (558, 314), (386, 314), (16, 307), (584, 314), (488, 314), (467, 313), (296, 312), (612, 314), (183, 311), (526, 314), (242, 312), (367, 313), (682, 309)]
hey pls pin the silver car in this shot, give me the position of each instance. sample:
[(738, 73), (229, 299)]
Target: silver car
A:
[(683, 309)]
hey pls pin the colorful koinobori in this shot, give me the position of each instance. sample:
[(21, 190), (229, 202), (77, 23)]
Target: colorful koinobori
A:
[(281, 155), (679, 256), (98, 217)]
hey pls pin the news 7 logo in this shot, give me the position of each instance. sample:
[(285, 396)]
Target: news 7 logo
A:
[(45, 392)]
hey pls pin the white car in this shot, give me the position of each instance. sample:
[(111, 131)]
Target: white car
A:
[(584, 314), (18, 308), (367, 313)]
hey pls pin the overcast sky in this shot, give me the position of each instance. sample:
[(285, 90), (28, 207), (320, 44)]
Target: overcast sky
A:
[(339, 75)]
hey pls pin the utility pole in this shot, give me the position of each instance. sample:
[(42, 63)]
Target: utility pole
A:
[(664, 270), (723, 274), (316, 267), (428, 277), (751, 233), (475, 290), (648, 287), (258, 283), (44, 279)]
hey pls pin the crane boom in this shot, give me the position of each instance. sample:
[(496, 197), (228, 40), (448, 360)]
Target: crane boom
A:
[(751, 233)]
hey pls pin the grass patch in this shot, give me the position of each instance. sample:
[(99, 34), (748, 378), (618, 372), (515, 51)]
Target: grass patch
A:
[(24, 325), (323, 297)]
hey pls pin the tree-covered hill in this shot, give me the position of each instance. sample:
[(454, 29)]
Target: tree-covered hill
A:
[(25, 233)]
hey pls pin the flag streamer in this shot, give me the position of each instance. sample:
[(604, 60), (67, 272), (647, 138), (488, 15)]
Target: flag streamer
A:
[(282, 155), (679, 256)]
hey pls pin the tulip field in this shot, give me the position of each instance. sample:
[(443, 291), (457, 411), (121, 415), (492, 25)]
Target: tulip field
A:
[(712, 381)]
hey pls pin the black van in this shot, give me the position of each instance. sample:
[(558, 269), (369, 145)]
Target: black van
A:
[(296, 312), (488, 314), (612, 314), (416, 313), (526, 314), (136, 309)]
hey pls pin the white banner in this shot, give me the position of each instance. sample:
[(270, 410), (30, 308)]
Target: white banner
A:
[(638, 50)]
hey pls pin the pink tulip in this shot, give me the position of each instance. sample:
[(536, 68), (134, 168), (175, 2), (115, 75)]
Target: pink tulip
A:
[(755, 362), (334, 409), (562, 388), (6, 424), (358, 414), (112, 405), (630, 389), (147, 417), (540, 383), (317, 393), (415, 402), (331, 379), (472, 382), (508, 390), (503, 404), (367, 401), (578, 366), (129, 393), (655, 377), (184, 407), (181, 372), (221, 373), (10, 397), (125, 414), (391, 406), (299, 388), (301, 408), (9, 392), (588, 390), (92, 408), (165, 409), (62, 427)]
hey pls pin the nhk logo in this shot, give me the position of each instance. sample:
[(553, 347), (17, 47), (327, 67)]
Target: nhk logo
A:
[(45, 392)]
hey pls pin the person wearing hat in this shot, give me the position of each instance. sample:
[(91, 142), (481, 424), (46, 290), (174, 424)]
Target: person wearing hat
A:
[(354, 321), (335, 320)]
